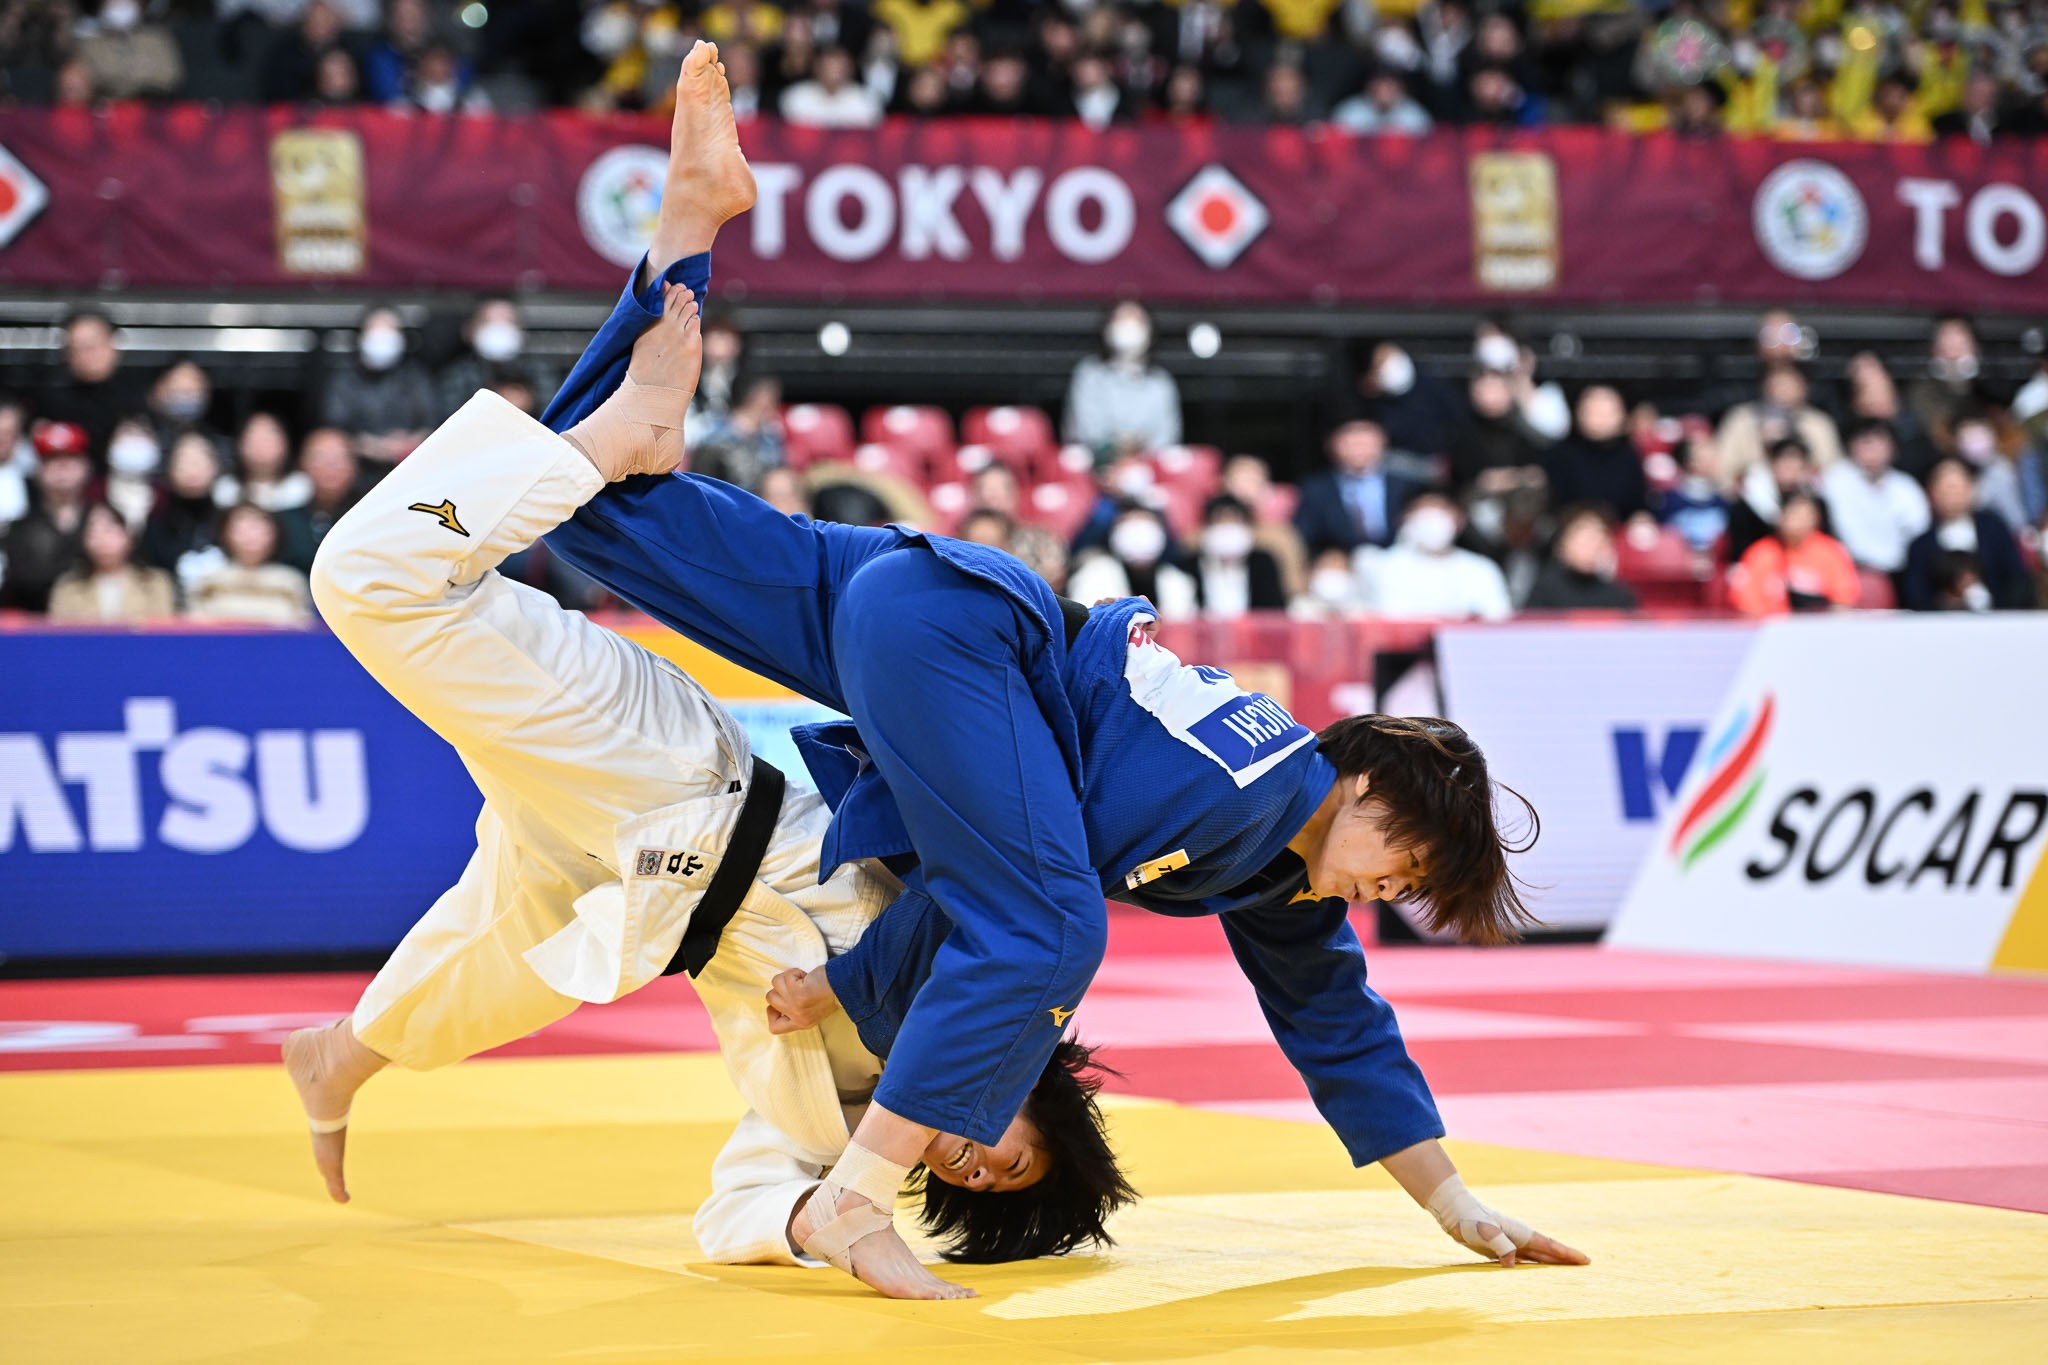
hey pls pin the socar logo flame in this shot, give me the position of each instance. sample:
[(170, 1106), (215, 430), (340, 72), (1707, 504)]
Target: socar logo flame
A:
[(1728, 794)]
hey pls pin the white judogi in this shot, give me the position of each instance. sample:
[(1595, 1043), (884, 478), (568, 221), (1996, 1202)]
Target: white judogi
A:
[(589, 751)]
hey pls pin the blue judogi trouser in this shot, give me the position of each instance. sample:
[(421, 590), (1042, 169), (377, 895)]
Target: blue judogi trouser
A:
[(944, 675)]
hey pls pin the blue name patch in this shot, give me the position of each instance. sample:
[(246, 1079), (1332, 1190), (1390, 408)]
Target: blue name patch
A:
[(1247, 731)]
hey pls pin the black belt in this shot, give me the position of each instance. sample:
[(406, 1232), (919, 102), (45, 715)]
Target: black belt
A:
[(1074, 616), (751, 835)]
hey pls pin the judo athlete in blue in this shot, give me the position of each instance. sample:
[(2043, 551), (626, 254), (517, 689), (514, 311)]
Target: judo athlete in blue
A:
[(1018, 758)]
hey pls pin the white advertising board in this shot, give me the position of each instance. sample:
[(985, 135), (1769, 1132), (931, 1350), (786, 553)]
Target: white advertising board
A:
[(1874, 790)]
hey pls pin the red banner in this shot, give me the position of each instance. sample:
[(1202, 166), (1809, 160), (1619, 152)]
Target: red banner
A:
[(962, 210)]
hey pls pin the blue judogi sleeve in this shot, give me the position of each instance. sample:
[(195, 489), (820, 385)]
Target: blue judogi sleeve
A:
[(602, 366), (1308, 967), (877, 979)]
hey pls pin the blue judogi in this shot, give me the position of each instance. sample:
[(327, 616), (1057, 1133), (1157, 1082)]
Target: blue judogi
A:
[(1029, 777)]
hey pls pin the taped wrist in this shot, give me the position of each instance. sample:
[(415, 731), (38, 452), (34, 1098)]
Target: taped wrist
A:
[(870, 1176), (1458, 1212)]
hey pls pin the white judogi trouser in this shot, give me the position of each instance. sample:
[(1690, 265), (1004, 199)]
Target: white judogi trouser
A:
[(586, 747)]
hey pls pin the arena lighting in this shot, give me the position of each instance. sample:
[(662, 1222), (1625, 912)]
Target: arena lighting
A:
[(475, 15), (834, 338), (1204, 340)]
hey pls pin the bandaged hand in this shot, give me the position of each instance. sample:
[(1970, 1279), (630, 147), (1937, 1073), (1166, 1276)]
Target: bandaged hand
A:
[(1486, 1231), (799, 1000)]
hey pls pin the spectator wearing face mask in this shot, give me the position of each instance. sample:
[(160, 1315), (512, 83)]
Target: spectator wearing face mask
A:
[(182, 526), (1967, 558), (1424, 575), (335, 483), (1232, 574), (493, 350), (1695, 506), (1876, 509), (1120, 398), (1359, 499), (1781, 409), (385, 399), (1123, 476), (1998, 478), (1765, 487), (133, 461), (1417, 409), (263, 473), (130, 58), (1137, 560), (110, 586), (1598, 464), (1798, 567), (47, 543), (179, 401), (1496, 460), (1579, 575), (1542, 407), (249, 583)]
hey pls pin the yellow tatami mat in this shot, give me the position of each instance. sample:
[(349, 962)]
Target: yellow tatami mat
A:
[(534, 1211)]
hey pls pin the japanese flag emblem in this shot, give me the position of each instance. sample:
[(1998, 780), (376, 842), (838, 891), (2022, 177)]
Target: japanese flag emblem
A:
[(22, 196), (1217, 216)]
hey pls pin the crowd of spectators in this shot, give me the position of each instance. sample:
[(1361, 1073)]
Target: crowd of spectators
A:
[(1446, 495), (1809, 69)]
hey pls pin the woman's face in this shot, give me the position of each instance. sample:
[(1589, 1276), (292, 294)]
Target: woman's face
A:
[(263, 448), (1799, 520), (250, 538), (192, 472), (107, 542)]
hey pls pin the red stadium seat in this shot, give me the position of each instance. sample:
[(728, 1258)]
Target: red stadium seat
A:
[(1020, 437), (1198, 466), (925, 434), (1664, 571), (899, 464), (1061, 507), (1281, 500), (1874, 591), (951, 502), (969, 460), (817, 431)]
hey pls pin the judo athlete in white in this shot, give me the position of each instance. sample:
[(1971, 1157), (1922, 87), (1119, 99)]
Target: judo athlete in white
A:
[(616, 791)]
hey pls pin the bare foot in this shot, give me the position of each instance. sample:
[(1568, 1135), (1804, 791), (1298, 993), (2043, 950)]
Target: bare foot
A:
[(639, 429), (881, 1260), (328, 1065), (709, 182)]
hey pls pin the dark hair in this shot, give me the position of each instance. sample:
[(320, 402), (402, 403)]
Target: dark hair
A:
[(1969, 470), (1869, 426), (1007, 526), (1068, 1207), (1430, 783), (1784, 445), (1225, 502), (86, 312), (1805, 495)]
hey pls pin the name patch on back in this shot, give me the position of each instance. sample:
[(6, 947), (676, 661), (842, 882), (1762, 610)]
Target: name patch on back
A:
[(1244, 733)]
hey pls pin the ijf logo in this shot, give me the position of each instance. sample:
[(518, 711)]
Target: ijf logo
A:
[(1734, 759), (617, 201), (1216, 216), (1810, 220), (22, 196)]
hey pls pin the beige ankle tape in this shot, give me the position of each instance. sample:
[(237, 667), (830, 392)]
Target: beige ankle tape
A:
[(613, 437), (872, 1177)]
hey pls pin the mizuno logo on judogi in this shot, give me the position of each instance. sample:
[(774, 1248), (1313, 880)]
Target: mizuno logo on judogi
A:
[(1244, 733), (680, 864)]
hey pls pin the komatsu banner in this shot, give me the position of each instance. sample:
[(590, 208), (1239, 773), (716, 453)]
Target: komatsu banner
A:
[(1873, 790)]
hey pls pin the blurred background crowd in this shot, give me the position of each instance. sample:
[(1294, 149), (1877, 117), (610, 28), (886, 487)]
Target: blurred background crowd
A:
[(1806, 69), (1475, 490)]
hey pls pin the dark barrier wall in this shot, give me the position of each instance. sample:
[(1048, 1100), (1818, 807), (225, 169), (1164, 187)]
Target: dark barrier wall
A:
[(193, 198), (215, 794)]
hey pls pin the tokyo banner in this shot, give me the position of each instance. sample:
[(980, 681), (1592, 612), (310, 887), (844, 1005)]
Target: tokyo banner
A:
[(1023, 210), (1874, 790)]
